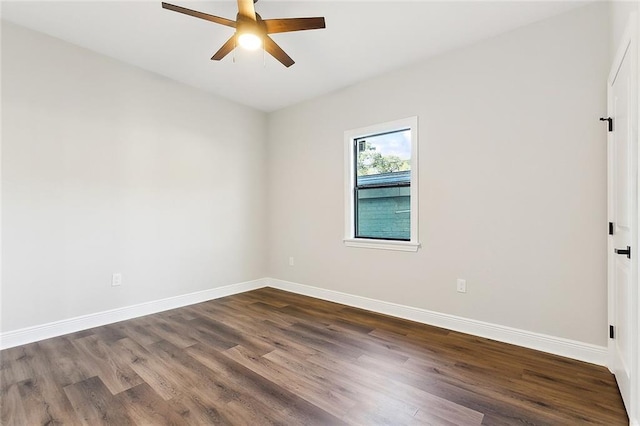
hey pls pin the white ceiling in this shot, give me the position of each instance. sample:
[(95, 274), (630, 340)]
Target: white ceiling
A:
[(362, 39)]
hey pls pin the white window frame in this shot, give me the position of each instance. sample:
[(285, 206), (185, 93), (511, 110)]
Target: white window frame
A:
[(350, 137)]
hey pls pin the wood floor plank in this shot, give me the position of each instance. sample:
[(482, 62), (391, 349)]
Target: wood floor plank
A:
[(168, 331), (372, 413), (197, 408), (63, 361), (116, 374), (138, 331), (428, 403), (367, 381), (95, 405), (43, 403), (311, 383), (12, 406), (145, 407), (229, 334), (15, 366), (155, 372), (273, 357), (250, 383), (43, 400), (108, 333)]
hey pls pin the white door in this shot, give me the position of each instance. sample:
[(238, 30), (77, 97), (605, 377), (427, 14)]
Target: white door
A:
[(623, 212)]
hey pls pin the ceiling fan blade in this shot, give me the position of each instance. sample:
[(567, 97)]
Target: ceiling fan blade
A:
[(247, 9), (293, 24), (225, 49), (277, 52), (205, 16)]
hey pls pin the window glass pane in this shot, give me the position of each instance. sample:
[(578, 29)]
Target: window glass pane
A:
[(383, 178), (384, 213), (385, 153)]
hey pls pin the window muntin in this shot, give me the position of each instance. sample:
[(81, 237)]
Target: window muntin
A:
[(381, 179)]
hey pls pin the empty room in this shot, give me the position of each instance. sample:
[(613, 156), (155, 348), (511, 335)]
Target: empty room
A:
[(318, 212)]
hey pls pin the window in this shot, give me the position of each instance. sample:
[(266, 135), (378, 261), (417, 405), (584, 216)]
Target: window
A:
[(381, 186)]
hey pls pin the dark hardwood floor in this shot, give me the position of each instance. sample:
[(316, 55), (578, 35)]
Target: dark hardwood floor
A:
[(272, 357)]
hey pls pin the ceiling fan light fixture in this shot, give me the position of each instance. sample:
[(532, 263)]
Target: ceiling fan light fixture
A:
[(252, 32), (249, 41)]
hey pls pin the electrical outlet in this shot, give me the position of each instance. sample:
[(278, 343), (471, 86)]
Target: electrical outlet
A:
[(116, 279), (462, 286), (291, 262)]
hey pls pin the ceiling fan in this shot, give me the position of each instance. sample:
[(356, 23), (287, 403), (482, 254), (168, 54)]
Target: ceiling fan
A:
[(252, 31)]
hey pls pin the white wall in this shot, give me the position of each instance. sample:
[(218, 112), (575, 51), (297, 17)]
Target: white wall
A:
[(512, 182), (107, 168)]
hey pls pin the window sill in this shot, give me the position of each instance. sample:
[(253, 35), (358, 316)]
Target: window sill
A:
[(382, 244)]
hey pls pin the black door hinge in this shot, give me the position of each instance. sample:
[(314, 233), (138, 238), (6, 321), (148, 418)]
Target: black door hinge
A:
[(610, 120), (610, 228), (611, 333)]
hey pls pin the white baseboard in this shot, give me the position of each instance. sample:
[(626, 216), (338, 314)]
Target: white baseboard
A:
[(71, 325), (555, 345)]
